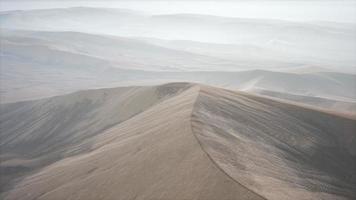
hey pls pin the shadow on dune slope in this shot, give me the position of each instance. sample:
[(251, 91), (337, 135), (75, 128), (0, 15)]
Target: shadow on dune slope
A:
[(278, 150), (37, 133)]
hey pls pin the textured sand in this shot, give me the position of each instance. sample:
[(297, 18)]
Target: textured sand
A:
[(200, 142), (36, 133), (278, 150)]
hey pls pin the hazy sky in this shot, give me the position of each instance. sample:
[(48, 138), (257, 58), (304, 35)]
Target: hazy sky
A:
[(301, 10)]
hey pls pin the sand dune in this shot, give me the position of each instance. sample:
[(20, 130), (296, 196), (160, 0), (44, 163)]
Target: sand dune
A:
[(37, 64), (255, 42), (278, 150), (36, 133), (74, 124), (120, 52), (184, 141)]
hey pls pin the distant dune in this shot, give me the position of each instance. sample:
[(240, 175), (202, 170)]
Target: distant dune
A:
[(175, 141), (37, 64), (261, 43), (324, 103)]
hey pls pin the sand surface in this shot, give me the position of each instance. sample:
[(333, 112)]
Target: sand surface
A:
[(183, 141)]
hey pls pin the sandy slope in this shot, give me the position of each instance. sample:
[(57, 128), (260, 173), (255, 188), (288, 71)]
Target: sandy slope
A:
[(200, 142), (36, 133), (278, 150), (151, 156)]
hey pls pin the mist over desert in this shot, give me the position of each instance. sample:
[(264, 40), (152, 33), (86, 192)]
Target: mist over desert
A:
[(178, 100)]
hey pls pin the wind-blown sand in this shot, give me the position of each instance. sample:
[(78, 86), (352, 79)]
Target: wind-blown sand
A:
[(193, 142)]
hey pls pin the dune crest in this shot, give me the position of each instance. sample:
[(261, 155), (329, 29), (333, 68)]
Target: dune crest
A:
[(201, 142)]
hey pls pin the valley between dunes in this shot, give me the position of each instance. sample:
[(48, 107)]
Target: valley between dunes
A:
[(175, 141)]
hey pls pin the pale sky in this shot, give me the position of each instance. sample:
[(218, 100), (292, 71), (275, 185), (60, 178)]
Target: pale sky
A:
[(293, 10)]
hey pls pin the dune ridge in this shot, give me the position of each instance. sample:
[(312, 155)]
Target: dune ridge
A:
[(203, 142)]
